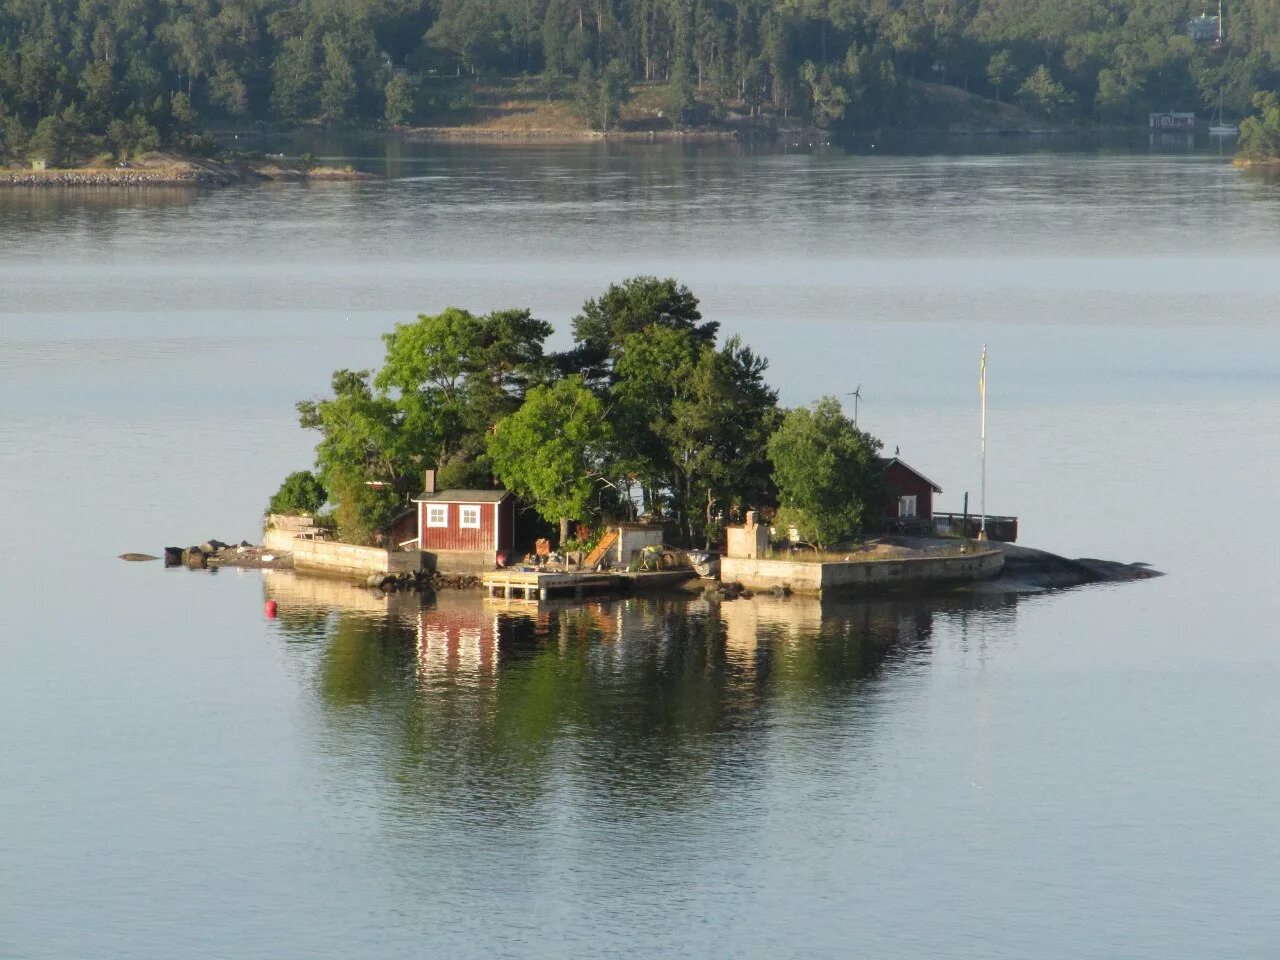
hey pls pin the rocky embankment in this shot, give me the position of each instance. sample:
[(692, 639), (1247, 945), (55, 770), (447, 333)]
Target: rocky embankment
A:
[(168, 170), (192, 176), (422, 580), (1027, 570), (213, 554)]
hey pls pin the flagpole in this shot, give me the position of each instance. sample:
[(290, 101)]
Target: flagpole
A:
[(982, 393)]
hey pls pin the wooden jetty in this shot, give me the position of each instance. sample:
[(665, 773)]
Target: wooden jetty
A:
[(539, 585), (545, 585)]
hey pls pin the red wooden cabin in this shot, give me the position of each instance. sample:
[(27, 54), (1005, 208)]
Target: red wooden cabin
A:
[(908, 493), (456, 522)]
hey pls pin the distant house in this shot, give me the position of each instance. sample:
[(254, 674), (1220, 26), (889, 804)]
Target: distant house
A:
[(1204, 29), (1171, 120), (908, 494), (464, 530)]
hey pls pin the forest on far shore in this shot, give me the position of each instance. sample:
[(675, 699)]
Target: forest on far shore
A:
[(131, 75)]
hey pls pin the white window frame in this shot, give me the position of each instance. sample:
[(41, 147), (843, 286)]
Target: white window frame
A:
[(469, 516), (908, 506), (437, 514)]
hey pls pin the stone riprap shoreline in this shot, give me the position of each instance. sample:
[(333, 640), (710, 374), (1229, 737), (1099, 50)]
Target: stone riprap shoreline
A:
[(193, 176), (168, 171)]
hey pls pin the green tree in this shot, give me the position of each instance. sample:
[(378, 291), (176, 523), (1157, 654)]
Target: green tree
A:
[(295, 77), (633, 306), (1260, 134), (1000, 70), (692, 422), (827, 94), (826, 470), (338, 88), (554, 450), (463, 372), (1042, 93), (300, 493), (399, 99), (52, 141), (600, 96), (370, 456)]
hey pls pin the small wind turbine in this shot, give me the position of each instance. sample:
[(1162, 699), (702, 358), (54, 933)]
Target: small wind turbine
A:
[(857, 395)]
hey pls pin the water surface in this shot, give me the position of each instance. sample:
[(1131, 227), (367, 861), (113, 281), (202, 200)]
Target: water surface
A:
[(1088, 774)]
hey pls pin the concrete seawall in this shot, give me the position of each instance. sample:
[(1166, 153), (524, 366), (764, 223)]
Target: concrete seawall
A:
[(863, 576), (345, 559)]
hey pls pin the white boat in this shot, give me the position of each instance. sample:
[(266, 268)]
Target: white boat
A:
[(1221, 128)]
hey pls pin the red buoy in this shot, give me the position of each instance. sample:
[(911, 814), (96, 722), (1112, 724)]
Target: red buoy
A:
[(271, 609)]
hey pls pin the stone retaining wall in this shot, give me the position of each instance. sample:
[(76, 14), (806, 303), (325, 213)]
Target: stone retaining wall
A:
[(473, 562), (342, 558), (860, 576)]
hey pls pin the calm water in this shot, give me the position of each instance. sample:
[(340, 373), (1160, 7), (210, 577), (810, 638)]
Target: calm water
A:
[(1087, 774)]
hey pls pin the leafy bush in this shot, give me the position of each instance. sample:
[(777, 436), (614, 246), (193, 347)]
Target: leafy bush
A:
[(300, 493)]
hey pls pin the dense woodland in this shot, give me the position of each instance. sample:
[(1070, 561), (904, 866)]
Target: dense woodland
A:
[(647, 414), (136, 73)]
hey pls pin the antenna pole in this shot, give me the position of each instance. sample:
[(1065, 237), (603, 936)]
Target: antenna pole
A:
[(982, 395)]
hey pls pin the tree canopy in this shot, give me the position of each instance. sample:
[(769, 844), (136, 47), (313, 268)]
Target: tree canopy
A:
[(827, 472), (555, 450), (645, 413), (163, 71), (1260, 135)]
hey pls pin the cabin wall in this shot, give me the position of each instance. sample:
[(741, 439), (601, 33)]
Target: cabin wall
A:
[(454, 537), (901, 482)]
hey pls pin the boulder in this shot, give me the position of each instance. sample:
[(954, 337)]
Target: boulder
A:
[(172, 556), (137, 556)]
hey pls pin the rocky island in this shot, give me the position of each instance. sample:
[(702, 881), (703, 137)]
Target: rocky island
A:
[(175, 170)]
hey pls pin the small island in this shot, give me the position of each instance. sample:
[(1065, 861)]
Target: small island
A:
[(648, 449), (155, 169)]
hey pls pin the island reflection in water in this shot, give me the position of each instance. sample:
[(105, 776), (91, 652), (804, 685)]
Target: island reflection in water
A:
[(479, 705)]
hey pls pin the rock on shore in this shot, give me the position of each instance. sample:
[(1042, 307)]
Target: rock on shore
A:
[(1027, 570), (212, 554)]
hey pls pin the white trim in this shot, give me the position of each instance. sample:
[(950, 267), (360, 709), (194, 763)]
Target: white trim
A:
[(441, 498), (444, 520), (496, 521), (465, 512)]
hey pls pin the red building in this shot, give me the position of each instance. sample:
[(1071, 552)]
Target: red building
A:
[(466, 530), (908, 494)]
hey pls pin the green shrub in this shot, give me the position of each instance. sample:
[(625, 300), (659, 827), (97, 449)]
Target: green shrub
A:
[(300, 493)]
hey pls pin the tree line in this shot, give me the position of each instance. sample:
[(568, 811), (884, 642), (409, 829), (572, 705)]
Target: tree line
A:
[(648, 414), (135, 73)]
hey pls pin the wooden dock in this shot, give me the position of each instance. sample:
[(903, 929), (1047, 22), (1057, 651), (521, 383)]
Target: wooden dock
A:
[(536, 585)]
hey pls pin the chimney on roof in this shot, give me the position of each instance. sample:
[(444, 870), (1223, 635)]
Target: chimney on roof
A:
[(429, 484)]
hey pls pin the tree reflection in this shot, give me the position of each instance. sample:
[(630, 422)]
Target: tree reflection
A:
[(481, 707)]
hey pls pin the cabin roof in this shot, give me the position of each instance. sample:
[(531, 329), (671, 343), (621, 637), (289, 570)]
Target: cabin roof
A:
[(463, 496), (888, 462)]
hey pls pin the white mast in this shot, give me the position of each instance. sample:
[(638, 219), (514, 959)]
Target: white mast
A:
[(982, 396)]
